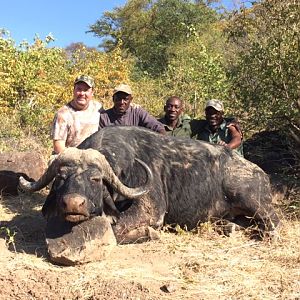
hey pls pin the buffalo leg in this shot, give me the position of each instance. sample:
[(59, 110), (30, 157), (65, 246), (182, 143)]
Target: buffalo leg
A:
[(132, 224)]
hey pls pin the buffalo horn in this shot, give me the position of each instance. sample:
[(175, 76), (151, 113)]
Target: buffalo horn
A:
[(45, 179), (50, 173), (95, 157)]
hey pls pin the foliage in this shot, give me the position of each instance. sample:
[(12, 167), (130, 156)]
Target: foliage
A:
[(174, 48), (165, 48), (266, 68), (37, 79), (149, 29), (197, 76), (9, 236), (31, 79)]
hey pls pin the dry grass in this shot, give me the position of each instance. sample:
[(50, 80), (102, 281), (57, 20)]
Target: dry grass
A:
[(15, 138), (202, 265), (198, 265)]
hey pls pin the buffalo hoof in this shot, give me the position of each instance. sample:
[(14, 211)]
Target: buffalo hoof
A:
[(138, 235), (70, 244)]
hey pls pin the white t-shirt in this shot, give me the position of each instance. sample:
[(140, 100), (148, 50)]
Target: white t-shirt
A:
[(74, 126)]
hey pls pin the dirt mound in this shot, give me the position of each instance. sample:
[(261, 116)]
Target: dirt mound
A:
[(279, 156), (273, 152)]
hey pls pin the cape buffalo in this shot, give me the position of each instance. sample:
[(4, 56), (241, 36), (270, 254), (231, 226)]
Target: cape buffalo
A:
[(153, 179)]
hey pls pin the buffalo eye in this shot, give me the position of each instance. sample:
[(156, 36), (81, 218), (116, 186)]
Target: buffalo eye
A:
[(95, 178), (61, 176)]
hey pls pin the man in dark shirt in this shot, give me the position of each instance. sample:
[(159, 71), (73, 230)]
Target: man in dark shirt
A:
[(123, 113), (218, 130), (180, 125)]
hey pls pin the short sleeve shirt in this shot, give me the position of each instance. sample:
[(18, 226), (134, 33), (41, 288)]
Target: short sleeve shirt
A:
[(134, 116), (222, 134), (74, 126)]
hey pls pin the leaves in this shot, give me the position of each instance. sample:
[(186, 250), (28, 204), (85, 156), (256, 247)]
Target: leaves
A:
[(37, 79), (149, 29), (266, 68)]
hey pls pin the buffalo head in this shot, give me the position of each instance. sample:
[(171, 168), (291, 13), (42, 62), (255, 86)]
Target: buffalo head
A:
[(81, 179)]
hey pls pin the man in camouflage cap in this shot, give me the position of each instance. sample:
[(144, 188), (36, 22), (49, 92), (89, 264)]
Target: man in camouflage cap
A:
[(86, 79), (79, 118), (218, 130)]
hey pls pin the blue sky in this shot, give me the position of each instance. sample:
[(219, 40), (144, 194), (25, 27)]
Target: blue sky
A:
[(66, 20)]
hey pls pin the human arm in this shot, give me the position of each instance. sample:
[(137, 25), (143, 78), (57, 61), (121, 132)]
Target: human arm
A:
[(236, 139), (59, 132), (103, 120), (162, 131), (234, 122), (148, 121)]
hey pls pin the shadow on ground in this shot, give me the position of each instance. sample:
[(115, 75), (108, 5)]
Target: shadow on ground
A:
[(24, 232)]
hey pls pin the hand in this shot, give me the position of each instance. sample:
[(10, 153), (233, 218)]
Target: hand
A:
[(222, 143)]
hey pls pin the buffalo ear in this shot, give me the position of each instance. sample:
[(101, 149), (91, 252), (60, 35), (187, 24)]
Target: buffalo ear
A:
[(96, 178), (50, 206)]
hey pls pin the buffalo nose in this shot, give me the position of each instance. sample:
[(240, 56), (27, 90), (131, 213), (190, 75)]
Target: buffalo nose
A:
[(73, 203)]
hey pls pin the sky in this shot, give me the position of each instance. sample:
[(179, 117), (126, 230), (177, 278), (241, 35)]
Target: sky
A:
[(66, 20)]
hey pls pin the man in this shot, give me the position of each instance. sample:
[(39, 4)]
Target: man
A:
[(123, 113), (78, 119), (218, 130), (179, 125), (175, 123)]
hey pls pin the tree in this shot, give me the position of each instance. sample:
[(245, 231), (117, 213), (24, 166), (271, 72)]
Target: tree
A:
[(37, 79), (149, 29), (197, 76), (266, 68), (73, 47)]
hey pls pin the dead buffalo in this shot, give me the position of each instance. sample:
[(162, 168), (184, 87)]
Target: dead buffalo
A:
[(153, 179)]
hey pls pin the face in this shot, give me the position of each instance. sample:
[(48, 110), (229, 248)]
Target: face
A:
[(173, 109), (121, 102), (79, 195), (214, 117), (82, 94)]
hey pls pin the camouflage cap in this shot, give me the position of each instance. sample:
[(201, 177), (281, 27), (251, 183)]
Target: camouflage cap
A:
[(123, 88), (86, 79), (216, 104)]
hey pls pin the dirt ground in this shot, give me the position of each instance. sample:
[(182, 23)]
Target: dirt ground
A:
[(203, 264), (185, 265)]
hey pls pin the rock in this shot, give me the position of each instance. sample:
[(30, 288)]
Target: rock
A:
[(168, 288), (153, 234), (70, 244), (15, 164)]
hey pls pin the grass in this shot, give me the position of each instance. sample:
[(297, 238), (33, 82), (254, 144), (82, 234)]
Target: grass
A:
[(203, 264)]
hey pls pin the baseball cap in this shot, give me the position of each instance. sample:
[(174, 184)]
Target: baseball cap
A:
[(123, 88), (216, 104), (86, 79)]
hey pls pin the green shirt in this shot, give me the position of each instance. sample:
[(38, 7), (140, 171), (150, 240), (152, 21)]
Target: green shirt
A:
[(182, 128), (222, 134)]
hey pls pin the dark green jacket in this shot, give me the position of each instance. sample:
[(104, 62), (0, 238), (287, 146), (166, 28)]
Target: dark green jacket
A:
[(182, 128), (222, 134), (198, 129)]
